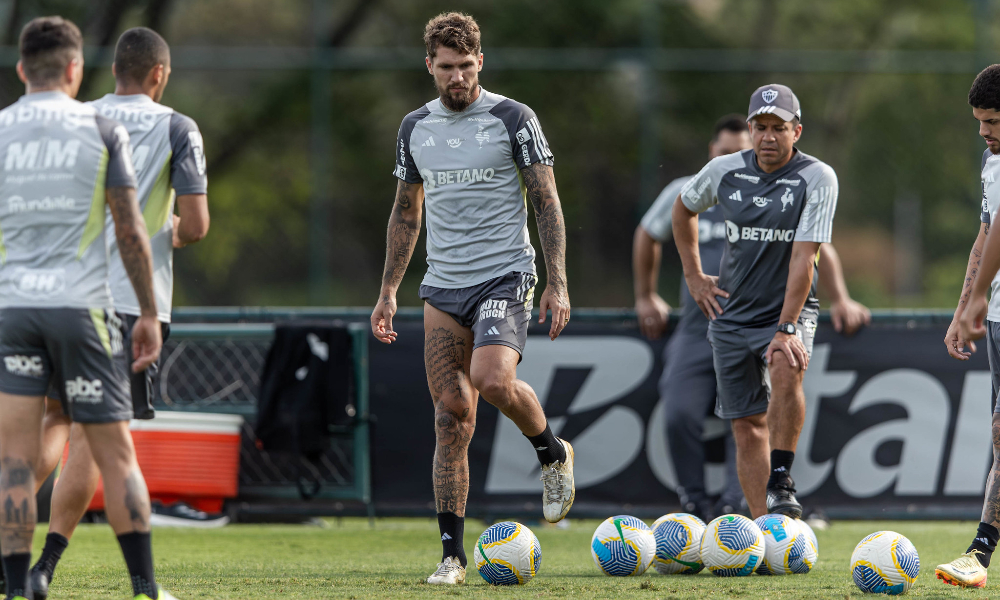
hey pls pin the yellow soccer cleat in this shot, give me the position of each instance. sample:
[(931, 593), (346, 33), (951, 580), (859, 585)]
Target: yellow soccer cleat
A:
[(161, 595), (964, 571)]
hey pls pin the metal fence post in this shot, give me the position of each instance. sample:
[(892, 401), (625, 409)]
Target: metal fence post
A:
[(362, 435)]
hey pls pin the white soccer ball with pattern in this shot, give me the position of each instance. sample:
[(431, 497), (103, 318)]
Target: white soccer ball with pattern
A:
[(808, 530), (678, 544), (732, 546), (885, 562), (507, 553), (787, 548), (623, 546)]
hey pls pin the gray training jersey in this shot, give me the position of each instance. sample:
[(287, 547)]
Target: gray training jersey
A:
[(59, 155), (764, 214), (658, 222), (990, 179), (169, 158), (469, 163)]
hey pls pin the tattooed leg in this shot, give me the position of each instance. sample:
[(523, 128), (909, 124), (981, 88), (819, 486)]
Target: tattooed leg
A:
[(991, 504), (447, 355), (125, 494), (20, 444)]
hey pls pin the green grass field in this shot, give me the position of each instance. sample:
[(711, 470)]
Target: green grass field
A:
[(347, 559)]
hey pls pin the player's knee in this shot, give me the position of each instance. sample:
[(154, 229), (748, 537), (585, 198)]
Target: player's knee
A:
[(495, 388), (783, 374), (749, 430)]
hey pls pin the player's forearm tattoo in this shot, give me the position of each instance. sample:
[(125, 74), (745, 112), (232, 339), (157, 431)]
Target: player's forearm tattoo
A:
[(540, 185), (401, 239), (975, 260), (137, 501), (133, 244), (444, 359), (991, 507), (17, 517)]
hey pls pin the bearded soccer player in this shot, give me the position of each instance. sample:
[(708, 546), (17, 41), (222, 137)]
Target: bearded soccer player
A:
[(976, 317), (168, 154), (64, 164), (778, 205), (687, 386), (465, 156)]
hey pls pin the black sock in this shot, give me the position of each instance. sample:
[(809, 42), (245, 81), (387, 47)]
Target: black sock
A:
[(15, 569), (547, 447), (985, 542), (137, 548), (781, 466), (452, 529), (51, 553)]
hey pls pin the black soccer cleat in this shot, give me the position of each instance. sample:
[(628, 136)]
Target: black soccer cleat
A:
[(781, 499), (38, 581)]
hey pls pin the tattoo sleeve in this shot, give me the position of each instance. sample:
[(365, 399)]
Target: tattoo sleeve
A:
[(975, 261), (540, 186), (133, 244), (404, 229)]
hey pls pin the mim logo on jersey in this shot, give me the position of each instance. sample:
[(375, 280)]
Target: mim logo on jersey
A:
[(735, 233), (17, 204), (435, 179), (493, 309), (41, 155), (87, 392), (24, 366)]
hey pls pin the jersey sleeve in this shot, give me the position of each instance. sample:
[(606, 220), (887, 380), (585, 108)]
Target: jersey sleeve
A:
[(527, 142), (658, 219), (984, 216), (700, 192), (121, 172), (406, 168), (187, 159), (816, 220)]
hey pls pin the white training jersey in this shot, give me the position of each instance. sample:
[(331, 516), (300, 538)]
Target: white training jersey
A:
[(990, 177)]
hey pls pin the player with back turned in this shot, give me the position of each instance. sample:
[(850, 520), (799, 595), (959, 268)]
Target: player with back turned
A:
[(64, 165), (169, 159), (473, 158)]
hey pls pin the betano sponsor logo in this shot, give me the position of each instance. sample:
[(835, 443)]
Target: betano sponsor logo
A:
[(24, 366), (435, 179), (735, 233), (42, 154), (17, 204)]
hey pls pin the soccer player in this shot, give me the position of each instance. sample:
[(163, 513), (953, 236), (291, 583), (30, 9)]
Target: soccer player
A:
[(169, 158), (465, 156), (778, 205), (976, 317), (687, 384), (63, 164)]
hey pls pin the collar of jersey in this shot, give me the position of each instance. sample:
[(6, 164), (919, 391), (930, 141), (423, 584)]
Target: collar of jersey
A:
[(468, 109), (123, 98), (789, 166), (46, 95)]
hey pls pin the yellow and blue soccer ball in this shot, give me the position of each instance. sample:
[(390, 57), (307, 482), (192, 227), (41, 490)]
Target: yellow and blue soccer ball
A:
[(885, 562), (732, 546), (806, 529), (507, 553), (623, 546), (678, 544), (787, 548)]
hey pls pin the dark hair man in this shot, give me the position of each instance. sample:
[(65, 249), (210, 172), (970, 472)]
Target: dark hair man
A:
[(466, 154), (778, 205), (687, 384), (976, 317), (169, 158), (63, 163)]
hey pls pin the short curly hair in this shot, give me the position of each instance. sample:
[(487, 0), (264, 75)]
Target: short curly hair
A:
[(455, 30), (985, 90)]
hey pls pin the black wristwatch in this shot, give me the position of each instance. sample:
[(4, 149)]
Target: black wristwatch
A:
[(788, 328)]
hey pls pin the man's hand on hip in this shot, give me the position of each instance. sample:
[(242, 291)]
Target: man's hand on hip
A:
[(705, 290)]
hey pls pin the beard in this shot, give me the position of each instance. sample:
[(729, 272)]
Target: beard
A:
[(458, 100)]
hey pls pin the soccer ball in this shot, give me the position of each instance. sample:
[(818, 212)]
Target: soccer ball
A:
[(678, 544), (507, 554), (787, 549), (623, 546), (732, 546), (806, 529), (885, 563)]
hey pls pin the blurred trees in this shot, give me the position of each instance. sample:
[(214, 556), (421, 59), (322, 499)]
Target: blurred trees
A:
[(888, 136)]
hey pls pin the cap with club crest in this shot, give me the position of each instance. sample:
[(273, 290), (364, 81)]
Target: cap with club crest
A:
[(775, 99)]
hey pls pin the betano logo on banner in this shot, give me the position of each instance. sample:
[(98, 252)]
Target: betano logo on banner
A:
[(619, 364)]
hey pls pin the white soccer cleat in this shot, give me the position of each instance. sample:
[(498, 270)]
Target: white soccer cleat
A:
[(559, 489), (964, 571), (449, 572)]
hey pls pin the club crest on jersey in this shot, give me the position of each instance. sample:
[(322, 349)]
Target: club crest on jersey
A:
[(769, 95), (455, 142), (761, 201), (787, 198), (482, 136)]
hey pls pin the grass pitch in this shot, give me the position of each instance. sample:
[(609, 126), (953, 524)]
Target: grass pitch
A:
[(347, 559)]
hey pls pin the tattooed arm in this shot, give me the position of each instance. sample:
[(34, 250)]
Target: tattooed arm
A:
[(401, 239), (133, 244), (540, 184), (953, 340), (974, 304)]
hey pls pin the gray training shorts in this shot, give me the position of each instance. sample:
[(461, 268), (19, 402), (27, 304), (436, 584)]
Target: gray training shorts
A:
[(993, 353), (497, 311), (79, 349), (742, 380)]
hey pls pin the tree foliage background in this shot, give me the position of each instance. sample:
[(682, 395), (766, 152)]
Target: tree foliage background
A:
[(887, 135)]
